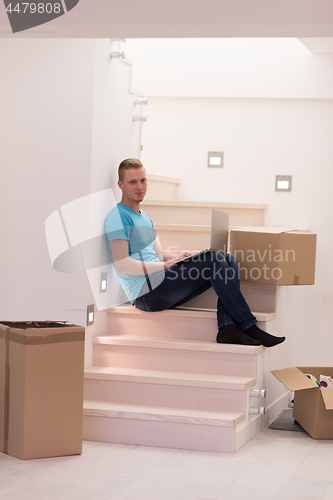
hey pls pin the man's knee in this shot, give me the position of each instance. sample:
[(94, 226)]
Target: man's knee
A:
[(232, 261), (218, 256), (229, 258), (229, 264), (231, 274)]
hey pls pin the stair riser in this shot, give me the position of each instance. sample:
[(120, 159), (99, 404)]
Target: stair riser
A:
[(161, 190), (173, 396), (145, 358), (259, 298), (178, 241), (167, 328), (149, 325), (203, 215), (162, 434)]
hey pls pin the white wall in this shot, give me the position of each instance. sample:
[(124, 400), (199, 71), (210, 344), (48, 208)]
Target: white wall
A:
[(66, 123), (261, 137), (114, 137), (46, 103), (230, 67)]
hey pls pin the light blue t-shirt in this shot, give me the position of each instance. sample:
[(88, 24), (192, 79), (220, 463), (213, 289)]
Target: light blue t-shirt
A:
[(123, 223)]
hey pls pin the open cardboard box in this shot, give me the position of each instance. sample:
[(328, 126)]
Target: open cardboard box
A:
[(41, 388), (274, 255), (313, 405)]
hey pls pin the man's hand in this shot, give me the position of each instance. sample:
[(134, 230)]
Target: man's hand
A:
[(183, 255), (170, 262)]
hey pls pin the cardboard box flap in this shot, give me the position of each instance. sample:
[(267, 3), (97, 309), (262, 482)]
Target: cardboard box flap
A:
[(327, 393), (41, 332), (293, 379), (265, 229)]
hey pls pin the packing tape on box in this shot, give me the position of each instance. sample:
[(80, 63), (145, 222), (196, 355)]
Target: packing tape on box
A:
[(8, 337), (47, 339)]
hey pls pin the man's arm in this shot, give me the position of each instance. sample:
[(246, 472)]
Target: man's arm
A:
[(158, 249), (126, 265)]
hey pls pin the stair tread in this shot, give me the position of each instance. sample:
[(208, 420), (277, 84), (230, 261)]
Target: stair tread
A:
[(201, 228), (180, 344), (180, 415), (205, 228), (187, 313), (209, 204), (170, 378), (163, 178)]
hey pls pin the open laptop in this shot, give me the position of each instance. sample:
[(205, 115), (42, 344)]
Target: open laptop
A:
[(219, 233)]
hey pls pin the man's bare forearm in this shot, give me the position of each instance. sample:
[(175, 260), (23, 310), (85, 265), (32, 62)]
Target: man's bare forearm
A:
[(169, 255), (136, 267)]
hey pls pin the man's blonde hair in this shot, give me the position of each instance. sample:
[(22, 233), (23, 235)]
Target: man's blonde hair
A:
[(126, 165)]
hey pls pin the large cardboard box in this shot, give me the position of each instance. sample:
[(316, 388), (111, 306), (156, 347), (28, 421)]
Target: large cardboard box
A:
[(313, 405), (274, 255), (41, 388)]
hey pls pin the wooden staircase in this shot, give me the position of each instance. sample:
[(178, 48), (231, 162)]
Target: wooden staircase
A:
[(160, 379), (199, 212), (172, 387), (185, 225)]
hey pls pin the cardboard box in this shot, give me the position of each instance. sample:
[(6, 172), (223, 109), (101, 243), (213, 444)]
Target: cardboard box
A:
[(313, 405), (41, 388), (277, 256)]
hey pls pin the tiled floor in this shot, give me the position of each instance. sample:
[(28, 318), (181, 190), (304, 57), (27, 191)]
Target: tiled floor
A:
[(274, 464)]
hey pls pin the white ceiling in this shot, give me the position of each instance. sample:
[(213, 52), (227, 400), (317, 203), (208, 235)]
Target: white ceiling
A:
[(187, 19)]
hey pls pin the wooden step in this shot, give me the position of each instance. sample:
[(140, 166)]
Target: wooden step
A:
[(189, 356), (199, 212), (163, 427), (260, 297), (183, 237), (169, 324), (162, 187), (166, 389)]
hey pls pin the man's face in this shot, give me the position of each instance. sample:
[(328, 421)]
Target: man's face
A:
[(134, 185)]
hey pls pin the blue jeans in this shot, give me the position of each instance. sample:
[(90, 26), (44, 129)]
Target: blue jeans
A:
[(185, 281)]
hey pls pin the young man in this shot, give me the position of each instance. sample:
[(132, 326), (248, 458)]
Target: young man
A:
[(153, 281)]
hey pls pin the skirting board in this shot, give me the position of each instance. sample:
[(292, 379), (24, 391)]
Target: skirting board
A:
[(248, 429)]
